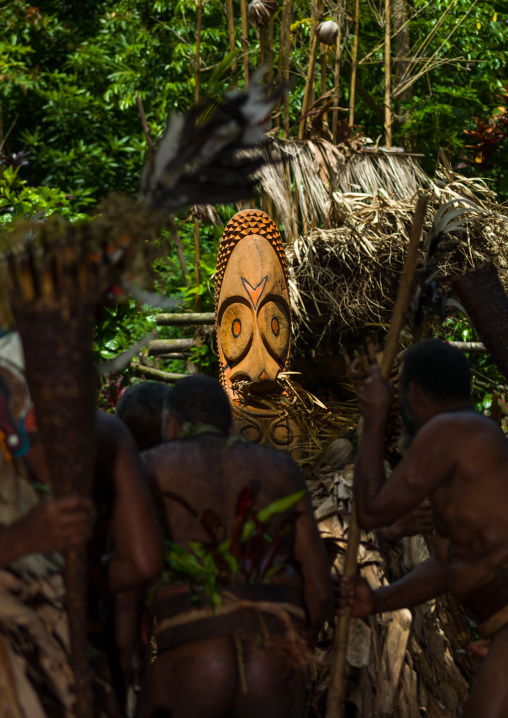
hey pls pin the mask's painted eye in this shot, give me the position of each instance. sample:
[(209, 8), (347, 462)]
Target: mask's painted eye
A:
[(273, 323), (236, 329)]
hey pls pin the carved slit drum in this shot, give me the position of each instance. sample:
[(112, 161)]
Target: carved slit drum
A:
[(253, 324), (252, 302)]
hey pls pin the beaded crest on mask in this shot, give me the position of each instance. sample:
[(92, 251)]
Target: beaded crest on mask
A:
[(245, 224)]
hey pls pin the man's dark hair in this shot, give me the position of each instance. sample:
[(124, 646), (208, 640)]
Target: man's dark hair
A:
[(140, 408), (442, 371), (200, 399)]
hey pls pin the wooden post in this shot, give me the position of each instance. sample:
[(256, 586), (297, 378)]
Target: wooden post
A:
[(337, 691), (231, 30), (336, 79), (245, 41), (388, 108), (354, 67), (287, 50)]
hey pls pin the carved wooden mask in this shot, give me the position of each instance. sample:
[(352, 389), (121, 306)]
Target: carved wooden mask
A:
[(252, 303)]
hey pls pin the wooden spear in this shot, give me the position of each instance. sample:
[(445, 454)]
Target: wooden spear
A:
[(337, 691), (354, 67)]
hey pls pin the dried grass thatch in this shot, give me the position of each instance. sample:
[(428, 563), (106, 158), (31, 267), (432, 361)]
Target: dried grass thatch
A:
[(347, 276), (308, 171)]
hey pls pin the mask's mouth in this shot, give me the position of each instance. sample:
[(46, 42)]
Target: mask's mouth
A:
[(245, 387)]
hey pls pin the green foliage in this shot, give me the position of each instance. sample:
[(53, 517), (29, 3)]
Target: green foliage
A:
[(19, 201), (487, 380), (247, 555), (69, 73)]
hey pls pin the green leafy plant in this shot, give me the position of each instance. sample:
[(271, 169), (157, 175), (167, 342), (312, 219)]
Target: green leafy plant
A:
[(249, 554)]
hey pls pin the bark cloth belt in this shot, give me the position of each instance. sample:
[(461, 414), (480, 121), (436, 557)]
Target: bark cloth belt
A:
[(489, 603), (245, 610)]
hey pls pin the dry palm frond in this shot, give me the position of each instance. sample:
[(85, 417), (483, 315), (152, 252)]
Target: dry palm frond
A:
[(317, 168), (348, 275)]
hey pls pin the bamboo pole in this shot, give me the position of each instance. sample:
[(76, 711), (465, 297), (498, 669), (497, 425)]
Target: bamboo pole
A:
[(197, 252), (336, 79), (270, 52), (198, 51), (355, 66), (322, 53), (287, 50), (245, 41), (231, 31), (308, 85), (280, 58), (175, 236), (388, 108), (262, 46), (197, 256), (337, 691)]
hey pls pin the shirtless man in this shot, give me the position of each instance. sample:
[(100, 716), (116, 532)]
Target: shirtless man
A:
[(216, 667), (458, 458)]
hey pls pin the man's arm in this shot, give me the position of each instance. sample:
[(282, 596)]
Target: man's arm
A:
[(137, 537), (426, 581), (311, 554), (380, 500)]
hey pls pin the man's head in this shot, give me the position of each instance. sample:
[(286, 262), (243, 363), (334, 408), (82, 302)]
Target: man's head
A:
[(435, 377), (141, 408), (199, 399)]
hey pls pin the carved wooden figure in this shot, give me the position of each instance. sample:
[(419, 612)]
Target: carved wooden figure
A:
[(253, 321)]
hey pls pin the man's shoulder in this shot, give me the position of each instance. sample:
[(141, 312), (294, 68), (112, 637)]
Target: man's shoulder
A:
[(254, 456), (463, 421)]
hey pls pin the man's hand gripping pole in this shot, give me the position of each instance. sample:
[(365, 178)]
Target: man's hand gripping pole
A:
[(337, 690)]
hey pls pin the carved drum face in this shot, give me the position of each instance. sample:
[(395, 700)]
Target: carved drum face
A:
[(253, 316)]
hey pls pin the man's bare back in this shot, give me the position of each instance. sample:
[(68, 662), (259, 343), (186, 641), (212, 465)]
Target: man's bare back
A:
[(208, 472)]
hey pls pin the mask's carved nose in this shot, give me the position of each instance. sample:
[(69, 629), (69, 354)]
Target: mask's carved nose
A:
[(263, 376)]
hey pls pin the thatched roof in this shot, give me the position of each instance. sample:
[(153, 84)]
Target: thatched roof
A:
[(308, 171), (346, 276)]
